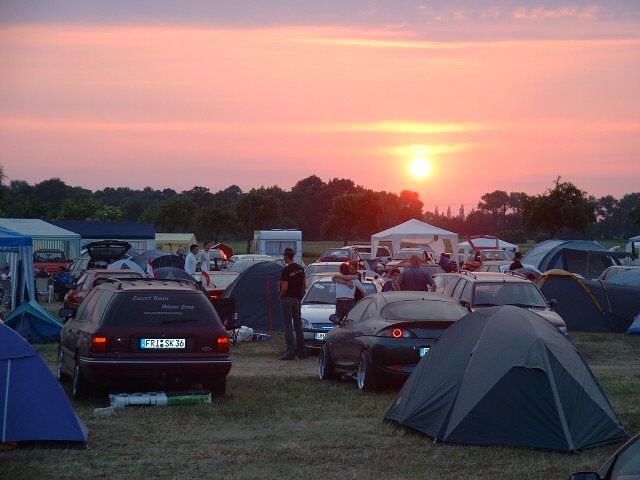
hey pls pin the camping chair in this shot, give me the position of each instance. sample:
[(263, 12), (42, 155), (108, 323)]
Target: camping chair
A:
[(44, 288), (5, 291)]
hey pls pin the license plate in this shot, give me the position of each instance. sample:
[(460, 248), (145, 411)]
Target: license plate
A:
[(319, 336), (162, 343), (423, 351)]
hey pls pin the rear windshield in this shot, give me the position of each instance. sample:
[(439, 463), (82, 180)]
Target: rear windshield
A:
[(522, 294), (311, 269), (101, 280), (325, 293), (160, 309), (420, 310)]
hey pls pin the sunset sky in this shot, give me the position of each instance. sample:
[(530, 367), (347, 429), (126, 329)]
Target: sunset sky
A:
[(494, 94)]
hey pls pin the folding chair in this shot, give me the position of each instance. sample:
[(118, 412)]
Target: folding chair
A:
[(44, 288)]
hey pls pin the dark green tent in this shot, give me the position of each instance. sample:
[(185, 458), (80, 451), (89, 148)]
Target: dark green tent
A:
[(505, 376)]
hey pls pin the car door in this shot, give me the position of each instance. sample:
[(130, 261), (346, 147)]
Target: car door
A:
[(70, 334), (341, 335), (360, 334)]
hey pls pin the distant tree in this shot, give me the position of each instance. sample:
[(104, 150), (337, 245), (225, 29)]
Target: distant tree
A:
[(52, 194), (86, 208), (211, 222), (635, 215), (257, 210), (353, 213), (229, 196), (200, 195), (496, 203), (565, 205), (517, 201), (174, 215)]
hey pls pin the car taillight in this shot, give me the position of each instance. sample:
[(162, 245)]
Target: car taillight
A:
[(397, 333), (99, 344), (223, 344)]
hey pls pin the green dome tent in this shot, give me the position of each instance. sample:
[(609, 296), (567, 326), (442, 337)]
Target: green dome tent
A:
[(505, 376)]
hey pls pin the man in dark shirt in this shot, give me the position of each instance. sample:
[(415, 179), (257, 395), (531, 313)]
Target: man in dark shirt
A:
[(414, 278), (516, 263), (292, 288)]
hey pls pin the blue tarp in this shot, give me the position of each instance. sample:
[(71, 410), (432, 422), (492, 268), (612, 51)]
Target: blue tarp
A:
[(94, 229), (634, 328), (33, 406), (257, 297), (32, 321)]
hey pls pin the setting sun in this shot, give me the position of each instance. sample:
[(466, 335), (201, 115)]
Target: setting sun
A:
[(420, 167)]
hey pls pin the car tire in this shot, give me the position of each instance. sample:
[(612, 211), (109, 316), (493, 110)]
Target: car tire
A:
[(326, 367), (217, 386), (79, 386), (60, 375), (365, 375)]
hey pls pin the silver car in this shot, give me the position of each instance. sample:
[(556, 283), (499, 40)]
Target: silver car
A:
[(317, 305)]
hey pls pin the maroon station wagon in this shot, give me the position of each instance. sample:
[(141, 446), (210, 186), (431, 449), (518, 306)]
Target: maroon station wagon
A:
[(141, 330)]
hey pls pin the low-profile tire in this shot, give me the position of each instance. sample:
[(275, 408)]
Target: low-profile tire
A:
[(60, 375), (217, 386), (79, 385), (365, 376), (326, 367)]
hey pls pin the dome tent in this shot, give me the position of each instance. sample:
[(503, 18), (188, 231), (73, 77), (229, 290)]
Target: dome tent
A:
[(584, 257), (505, 376), (256, 296), (33, 406)]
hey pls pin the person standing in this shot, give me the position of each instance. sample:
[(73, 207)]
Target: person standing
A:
[(414, 278), (204, 258), (393, 276), (516, 262), (292, 287), (191, 260), (347, 283)]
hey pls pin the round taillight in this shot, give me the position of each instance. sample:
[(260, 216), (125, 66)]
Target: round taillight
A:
[(396, 333)]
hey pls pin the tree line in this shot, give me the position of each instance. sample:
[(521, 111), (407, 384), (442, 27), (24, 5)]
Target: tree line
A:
[(334, 210)]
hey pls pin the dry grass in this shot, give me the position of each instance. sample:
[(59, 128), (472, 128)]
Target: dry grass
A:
[(278, 420)]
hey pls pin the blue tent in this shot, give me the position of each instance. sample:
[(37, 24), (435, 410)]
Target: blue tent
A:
[(257, 298), (584, 257), (20, 250), (32, 321), (33, 406), (634, 328)]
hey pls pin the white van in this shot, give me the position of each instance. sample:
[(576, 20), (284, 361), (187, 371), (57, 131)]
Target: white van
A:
[(273, 242)]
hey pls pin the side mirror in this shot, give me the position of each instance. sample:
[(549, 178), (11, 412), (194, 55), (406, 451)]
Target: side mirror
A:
[(335, 319), (585, 476), (465, 304), (67, 313), (553, 302)]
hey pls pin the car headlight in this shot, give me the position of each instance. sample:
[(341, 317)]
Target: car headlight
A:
[(306, 324)]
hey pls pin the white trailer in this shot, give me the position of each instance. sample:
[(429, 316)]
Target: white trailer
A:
[(273, 242)]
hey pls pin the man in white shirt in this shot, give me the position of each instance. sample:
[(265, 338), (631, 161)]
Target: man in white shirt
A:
[(346, 285), (191, 260), (204, 258)]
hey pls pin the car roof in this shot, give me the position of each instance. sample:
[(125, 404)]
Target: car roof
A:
[(107, 272), (325, 263), (150, 284), (492, 277), (396, 296)]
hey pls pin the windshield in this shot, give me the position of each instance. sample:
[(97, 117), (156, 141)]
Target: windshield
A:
[(509, 293), (325, 293), (50, 257), (495, 255), (311, 269), (404, 254), (153, 309), (421, 310), (335, 255)]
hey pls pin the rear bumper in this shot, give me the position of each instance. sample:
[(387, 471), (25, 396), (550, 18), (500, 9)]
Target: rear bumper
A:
[(97, 368)]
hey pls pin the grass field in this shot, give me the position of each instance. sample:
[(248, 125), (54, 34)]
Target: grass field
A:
[(278, 420)]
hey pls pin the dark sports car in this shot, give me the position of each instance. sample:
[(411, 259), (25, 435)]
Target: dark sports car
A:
[(385, 335)]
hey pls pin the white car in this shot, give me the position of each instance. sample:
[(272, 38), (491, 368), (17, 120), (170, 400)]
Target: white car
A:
[(317, 305)]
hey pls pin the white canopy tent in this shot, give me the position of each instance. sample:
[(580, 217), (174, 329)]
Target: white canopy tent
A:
[(416, 231)]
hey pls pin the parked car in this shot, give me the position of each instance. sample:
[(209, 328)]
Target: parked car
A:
[(91, 279), (318, 304), (104, 252), (143, 331), (385, 335), (402, 256), (49, 260), (624, 464), (484, 289), (78, 266), (478, 258), (322, 268), (344, 254), (383, 253)]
